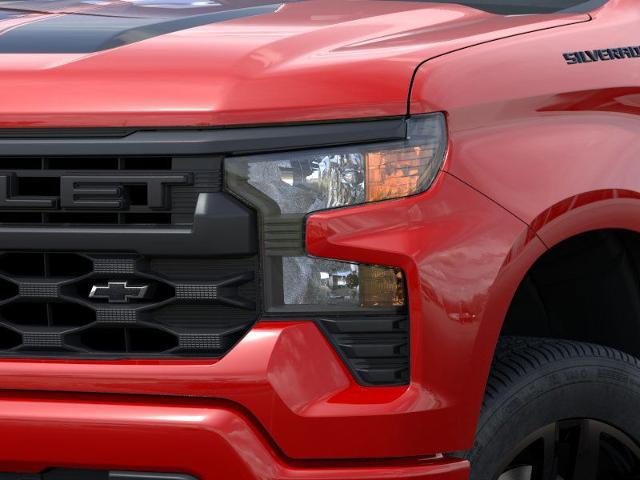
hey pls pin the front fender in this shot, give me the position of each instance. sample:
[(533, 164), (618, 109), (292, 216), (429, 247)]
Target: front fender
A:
[(542, 138)]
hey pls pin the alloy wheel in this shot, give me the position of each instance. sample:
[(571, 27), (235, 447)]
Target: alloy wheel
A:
[(579, 449)]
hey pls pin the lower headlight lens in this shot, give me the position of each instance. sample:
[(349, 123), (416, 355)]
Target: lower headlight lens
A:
[(316, 281)]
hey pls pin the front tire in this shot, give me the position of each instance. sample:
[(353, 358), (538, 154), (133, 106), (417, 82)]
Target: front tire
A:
[(559, 410)]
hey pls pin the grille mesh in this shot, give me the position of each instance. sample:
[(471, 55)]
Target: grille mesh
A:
[(192, 306)]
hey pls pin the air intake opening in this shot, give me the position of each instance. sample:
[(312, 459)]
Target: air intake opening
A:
[(9, 339), (46, 314), (126, 340)]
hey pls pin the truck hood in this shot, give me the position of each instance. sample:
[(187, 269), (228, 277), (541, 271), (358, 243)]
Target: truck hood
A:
[(160, 63)]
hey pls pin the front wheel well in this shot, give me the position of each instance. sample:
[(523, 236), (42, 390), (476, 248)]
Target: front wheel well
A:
[(586, 289)]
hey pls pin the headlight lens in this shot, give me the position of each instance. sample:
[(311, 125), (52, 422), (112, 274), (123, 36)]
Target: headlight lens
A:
[(284, 187), (308, 181)]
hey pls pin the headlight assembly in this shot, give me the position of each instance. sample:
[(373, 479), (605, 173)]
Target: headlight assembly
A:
[(284, 187)]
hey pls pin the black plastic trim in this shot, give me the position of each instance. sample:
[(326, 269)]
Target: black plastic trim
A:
[(113, 475), (222, 226), (375, 349), (69, 474), (100, 142)]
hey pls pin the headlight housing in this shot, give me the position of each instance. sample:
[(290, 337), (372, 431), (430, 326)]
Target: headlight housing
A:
[(285, 187)]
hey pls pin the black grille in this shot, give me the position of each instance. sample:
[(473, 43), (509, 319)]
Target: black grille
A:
[(123, 256), (141, 306), (376, 349), (126, 191)]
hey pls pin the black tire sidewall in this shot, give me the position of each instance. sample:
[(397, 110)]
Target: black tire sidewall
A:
[(602, 389)]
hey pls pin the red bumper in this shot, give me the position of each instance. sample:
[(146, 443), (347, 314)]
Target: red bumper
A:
[(209, 441)]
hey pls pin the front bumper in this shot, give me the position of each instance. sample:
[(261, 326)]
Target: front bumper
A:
[(208, 440)]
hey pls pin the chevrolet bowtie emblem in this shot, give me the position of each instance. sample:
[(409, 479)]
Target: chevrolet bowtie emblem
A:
[(119, 292)]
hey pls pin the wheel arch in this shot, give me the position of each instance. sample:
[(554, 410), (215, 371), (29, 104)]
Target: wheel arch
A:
[(593, 214)]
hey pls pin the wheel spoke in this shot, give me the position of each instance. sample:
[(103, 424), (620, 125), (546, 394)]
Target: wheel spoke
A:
[(518, 473), (587, 455), (549, 467), (574, 449)]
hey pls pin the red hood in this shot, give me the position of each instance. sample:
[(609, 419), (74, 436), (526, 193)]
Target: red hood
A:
[(299, 61)]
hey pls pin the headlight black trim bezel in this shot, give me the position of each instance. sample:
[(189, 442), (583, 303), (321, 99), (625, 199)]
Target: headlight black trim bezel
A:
[(198, 141)]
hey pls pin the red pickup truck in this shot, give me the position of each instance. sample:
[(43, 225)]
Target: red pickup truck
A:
[(319, 239)]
